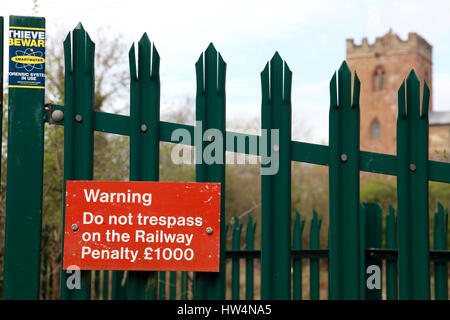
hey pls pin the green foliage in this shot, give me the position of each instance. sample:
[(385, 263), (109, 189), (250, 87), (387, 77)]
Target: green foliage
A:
[(168, 171), (381, 190), (111, 157), (439, 192), (440, 155), (384, 191), (53, 176), (310, 192)]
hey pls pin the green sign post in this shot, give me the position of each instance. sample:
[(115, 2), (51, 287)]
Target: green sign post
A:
[(25, 160)]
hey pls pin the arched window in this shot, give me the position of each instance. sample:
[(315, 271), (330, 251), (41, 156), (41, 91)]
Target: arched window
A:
[(379, 79), (375, 129)]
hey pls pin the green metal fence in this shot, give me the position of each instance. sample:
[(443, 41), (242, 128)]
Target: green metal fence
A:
[(372, 251), (355, 229)]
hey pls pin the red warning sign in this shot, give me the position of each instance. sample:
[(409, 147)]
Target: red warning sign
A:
[(161, 226)]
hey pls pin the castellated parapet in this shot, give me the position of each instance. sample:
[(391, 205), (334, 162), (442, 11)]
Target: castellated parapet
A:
[(388, 44)]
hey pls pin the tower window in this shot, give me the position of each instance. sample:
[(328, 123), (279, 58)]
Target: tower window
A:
[(375, 129), (379, 79)]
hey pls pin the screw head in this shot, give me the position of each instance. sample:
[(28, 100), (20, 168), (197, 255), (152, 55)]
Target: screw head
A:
[(144, 128), (412, 167), (78, 118), (209, 230), (276, 148), (57, 115), (75, 227), (344, 157), (210, 138)]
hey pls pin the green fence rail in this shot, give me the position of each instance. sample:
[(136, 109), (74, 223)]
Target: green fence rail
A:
[(354, 232)]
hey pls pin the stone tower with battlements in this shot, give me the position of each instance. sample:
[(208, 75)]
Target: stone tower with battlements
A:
[(381, 67)]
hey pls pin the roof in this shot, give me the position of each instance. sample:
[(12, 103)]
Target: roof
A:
[(439, 117)]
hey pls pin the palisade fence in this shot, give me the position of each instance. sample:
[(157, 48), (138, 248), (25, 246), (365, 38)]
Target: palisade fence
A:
[(277, 270)]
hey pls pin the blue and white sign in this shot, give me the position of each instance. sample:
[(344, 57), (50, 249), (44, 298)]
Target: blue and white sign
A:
[(26, 57)]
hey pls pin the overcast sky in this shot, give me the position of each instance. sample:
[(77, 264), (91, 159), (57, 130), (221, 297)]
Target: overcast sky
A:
[(309, 35)]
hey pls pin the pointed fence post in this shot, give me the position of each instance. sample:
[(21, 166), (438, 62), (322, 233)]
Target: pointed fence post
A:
[(118, 291), (78, 129), (372, 232), (412, 190), (314, 266), (210, 154), (391, 264), (328, 261), (144, 141), (162, 285), (235, 263), (184, 285), (440, 243), (362, 250), (276, 184), (105, 287), (344, 262), (173, 285), (299, 225), (249, 263)]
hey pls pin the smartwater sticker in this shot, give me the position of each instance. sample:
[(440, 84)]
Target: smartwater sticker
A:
[(26, 57)]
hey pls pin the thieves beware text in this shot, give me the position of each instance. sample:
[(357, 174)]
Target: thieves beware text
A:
[(26, 57), (142, 226)]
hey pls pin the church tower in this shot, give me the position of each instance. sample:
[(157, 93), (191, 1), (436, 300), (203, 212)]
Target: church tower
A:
[(381, 67)]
